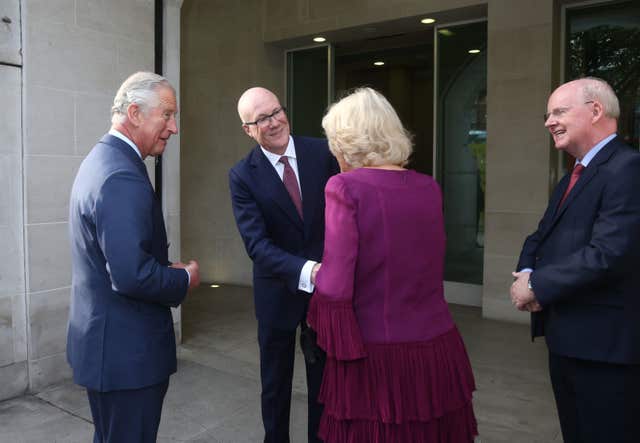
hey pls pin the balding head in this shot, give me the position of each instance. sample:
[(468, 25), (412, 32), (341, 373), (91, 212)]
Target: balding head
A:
[(580, 113), (272, 128), (250, 98)]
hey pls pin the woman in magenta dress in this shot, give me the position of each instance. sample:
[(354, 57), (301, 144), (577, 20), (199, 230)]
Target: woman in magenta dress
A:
[(397, 370)]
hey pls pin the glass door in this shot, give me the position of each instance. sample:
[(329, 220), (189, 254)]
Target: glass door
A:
[(309, 86), (460, 167)]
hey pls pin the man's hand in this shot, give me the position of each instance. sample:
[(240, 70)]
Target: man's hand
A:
[(194, 272), (534, 306), (314, 272), (522, 297)]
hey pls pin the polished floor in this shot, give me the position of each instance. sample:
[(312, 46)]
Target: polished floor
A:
[(214, 396)]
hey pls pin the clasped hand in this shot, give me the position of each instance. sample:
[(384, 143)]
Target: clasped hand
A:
[(522, 297)]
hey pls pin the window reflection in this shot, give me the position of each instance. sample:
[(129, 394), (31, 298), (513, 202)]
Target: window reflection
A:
[(604, 41), (461, 147)]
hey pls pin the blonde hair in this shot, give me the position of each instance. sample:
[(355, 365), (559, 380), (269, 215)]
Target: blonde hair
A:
[(364, 128)]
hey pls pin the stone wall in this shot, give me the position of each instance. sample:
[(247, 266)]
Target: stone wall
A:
[(74, 57), (13, 326)]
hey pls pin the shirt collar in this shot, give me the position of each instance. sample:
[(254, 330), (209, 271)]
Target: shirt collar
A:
[(125, 139), (289, 152), (593, 151)]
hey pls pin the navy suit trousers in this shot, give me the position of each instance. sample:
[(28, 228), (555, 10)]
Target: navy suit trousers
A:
[(277, 354), (597, 401), (127, 416)]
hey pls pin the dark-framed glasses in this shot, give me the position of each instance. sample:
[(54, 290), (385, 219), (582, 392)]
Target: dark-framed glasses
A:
[(264, 121), (559, 112)]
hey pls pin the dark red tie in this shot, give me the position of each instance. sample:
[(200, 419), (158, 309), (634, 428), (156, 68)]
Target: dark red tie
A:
[(575, 175), (291, 183)]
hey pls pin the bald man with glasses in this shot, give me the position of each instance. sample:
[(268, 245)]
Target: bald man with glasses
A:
[(277, 193), (579, 271)]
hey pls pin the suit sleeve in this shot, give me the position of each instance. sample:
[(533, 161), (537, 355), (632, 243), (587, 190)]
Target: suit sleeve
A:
[(331, 312), (124, 225), (259, 245), (614, 248)]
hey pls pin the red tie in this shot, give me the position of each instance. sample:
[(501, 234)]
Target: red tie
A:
[(291, 183), (575, 175)]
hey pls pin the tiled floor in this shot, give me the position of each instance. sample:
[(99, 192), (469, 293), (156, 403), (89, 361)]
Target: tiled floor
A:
[(214, 397)]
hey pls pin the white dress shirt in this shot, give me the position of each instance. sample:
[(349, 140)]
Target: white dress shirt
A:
[(304, 282)]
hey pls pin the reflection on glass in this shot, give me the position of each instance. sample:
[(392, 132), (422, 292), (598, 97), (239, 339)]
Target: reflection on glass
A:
[(461, 147), (604, 41)]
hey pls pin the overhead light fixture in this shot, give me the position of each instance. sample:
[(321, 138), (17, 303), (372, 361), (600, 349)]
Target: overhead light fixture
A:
[(378, 63), (319, 39), (474, 51), (446, 32), (215, 286), (428, 21)]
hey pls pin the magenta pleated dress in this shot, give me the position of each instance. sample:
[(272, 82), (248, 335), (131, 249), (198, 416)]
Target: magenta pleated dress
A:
[(397, 370)]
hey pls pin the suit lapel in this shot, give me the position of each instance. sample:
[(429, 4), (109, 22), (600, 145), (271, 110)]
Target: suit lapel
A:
[(587, 175), (267, 179)]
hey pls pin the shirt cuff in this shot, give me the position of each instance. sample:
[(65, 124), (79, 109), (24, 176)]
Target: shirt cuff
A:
[(188, 277), (304, 283), (526, 270)]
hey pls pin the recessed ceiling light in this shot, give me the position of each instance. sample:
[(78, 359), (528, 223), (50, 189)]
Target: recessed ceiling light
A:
[(379, 63), (319, 39), (427, 21), (446, 32), (474, 51), (215, 286)]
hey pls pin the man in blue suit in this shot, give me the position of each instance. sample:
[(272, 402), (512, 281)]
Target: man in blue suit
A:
[(277, 193), (579, 272), (120, 344)]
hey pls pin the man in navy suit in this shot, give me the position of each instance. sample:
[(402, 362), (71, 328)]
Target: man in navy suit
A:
[(579, 272), (277, 193), (121, 344)]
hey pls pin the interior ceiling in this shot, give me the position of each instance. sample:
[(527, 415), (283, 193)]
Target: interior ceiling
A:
[(392, 33)]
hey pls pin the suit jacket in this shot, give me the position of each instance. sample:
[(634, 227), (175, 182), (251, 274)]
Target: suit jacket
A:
[(585, 258), (277, 240), (120, 332)]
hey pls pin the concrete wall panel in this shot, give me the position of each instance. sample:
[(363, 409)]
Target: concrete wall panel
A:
[(520, 60), (48, 313), (10, 32), (92, 120), (49, 181), (50, 116), (13, 329), (49, 256)]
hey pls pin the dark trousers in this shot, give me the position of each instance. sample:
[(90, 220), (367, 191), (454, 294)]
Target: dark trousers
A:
[(127, 416), (277, 354), (597, 401)]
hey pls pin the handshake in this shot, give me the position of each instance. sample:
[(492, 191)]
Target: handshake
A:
[(194, 272)]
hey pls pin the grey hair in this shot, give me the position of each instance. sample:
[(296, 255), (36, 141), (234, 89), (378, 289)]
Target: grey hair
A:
[(140, 89), (597, 89)]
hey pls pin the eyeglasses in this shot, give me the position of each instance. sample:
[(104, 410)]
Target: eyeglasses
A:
[(559, 112), (264, 121)]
